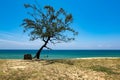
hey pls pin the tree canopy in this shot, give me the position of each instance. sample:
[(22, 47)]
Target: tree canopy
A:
[(49, 25)]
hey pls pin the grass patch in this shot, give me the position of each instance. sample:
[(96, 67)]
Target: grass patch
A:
[(1, 73), (16, 75), (66, 69), (103, 69), (2, 62), (118, 66), (69, 62)]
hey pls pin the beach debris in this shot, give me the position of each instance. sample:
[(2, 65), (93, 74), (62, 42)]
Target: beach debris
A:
[(27, 57)]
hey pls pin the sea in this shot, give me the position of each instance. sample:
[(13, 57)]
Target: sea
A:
[(59, 54)]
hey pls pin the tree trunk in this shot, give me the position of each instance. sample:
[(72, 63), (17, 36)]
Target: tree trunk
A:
[(39, 51)]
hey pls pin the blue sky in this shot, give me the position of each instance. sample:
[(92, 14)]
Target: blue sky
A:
[(97, 21)]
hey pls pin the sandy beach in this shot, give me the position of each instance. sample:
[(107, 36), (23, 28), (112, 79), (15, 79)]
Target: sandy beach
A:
[(65, 69)]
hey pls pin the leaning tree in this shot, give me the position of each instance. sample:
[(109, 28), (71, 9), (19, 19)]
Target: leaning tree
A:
[(48, 25)]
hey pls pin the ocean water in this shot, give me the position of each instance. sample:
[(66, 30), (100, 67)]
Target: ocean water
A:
[(59, 54)]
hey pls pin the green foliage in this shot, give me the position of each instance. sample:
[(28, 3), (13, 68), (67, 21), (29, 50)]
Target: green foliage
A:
[(65, 61), (103, 69), (49, 23)]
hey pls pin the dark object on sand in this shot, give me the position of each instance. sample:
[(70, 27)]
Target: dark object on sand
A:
[(27, 57)]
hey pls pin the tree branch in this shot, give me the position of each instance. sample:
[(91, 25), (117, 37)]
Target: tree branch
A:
[(48, 48), (44, 39)]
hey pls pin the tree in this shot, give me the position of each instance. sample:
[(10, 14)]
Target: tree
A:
[(48, 25)]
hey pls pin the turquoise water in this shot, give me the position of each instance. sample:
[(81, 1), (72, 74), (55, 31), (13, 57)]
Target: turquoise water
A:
[(59, 54)]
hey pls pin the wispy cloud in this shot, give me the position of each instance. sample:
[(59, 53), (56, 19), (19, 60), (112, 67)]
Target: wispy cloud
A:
[(6, 35), (14, 36), (9, 44), (18, 41)]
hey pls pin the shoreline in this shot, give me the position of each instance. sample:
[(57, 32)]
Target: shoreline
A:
[(99, 58), (73, 58)]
